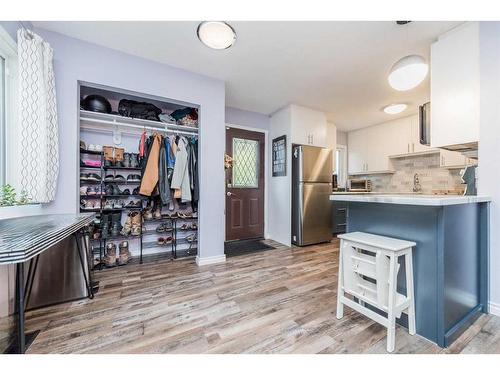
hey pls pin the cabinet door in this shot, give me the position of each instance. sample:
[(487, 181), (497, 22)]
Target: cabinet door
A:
[(452, 159), (398, 134), (356, 151), (455, 87), (376, 156)]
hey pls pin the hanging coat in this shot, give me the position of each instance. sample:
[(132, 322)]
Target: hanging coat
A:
[(193, 169), (150, 176), (180, 178), (163, 182)]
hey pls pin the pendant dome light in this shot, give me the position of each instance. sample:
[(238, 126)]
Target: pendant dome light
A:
[(408, 72)]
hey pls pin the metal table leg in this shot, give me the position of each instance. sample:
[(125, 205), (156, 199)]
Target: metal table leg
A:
[(24, 340), (87, 282), (20, 308)]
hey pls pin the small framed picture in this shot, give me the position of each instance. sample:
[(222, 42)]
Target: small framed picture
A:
[(279, 156)]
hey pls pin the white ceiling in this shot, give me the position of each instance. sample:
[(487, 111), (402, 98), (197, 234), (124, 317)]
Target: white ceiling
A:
[(336, 67)]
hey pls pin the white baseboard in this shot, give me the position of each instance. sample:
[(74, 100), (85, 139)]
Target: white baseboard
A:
[(495, 308), (210, 260)]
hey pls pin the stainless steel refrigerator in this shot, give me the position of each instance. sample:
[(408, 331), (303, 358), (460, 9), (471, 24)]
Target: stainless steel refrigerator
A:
[(312, 169)]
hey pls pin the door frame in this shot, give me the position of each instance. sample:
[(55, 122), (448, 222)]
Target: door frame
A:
[(266, 170)]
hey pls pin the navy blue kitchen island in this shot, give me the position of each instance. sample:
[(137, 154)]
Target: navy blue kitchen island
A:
[(450, 261)]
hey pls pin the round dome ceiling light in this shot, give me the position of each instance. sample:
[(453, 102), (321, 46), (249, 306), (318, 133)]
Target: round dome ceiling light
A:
[(216, 34), (408, 72), (393, 109)]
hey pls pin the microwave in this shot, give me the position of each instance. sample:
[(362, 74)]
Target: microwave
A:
[(360, 185)]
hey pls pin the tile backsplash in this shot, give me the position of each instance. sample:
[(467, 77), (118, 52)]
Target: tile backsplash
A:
[(431, 176)]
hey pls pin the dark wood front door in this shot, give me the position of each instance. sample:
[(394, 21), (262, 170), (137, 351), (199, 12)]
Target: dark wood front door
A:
[(244, 184)]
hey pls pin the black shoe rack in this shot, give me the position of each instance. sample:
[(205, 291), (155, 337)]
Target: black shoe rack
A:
[(179, 235)]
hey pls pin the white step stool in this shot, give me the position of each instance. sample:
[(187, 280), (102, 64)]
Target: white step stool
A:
[(368, 270)]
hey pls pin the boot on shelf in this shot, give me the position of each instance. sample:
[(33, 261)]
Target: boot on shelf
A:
[(136, 219), (134, 161), (105, 226), (110, 257), (127, 227), (148, 213), (126, 160), (116, 224), (125, 255)]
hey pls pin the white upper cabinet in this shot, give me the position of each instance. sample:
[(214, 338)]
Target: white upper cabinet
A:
[(357, 154), (309, 127), (455, 87)]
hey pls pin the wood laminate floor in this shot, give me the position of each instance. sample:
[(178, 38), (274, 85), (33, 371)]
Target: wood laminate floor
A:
[(277, 301)]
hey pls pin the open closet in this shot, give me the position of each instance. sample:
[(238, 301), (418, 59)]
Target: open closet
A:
[(138, 171)]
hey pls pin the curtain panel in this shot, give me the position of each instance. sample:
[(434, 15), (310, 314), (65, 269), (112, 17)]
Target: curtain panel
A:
[(38, 131)]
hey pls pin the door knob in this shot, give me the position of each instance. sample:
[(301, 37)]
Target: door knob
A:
[(229, 193)]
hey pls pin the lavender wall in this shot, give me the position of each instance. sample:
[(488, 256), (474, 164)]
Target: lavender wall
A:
[(76, 60), (249, 119)]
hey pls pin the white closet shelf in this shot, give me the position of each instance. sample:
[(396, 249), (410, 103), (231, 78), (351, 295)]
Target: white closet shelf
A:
[(128, 122)]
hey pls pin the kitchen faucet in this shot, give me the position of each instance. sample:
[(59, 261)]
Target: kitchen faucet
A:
[(416, 184)]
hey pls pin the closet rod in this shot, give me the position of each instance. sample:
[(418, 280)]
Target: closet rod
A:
[(165, 129)]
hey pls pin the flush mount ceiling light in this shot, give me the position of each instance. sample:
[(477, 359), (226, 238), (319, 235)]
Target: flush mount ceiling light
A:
[(216, 34), (408, 72), (393, 109)]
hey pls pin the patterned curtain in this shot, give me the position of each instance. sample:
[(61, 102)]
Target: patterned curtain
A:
[(39, 155)]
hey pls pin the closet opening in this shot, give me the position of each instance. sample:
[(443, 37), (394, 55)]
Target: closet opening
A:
[(138, 173)]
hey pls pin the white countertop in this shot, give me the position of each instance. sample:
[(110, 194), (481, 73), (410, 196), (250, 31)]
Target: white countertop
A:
[(408, 199)]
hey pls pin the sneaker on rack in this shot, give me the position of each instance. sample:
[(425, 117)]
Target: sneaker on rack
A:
[(84, 190), (109, 178), (108, 190), (116, 190), (133, 178), (94, 177), (108, 204), (119, 178)]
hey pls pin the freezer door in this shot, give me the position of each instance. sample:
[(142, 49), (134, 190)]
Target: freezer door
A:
[(312, 217), (315, 164)]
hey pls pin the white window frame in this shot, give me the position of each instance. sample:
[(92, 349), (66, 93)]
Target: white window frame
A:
[(8, 51), (342, 174)]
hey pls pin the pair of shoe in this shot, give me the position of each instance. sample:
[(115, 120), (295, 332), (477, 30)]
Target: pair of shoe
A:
[(164, 227), (151, 213), (130, 160), (163, 241), (111, 204), (90, 190), (132, 225), (134, 204), (110, 259), (183, 215), (134, 178), (90, 177), (90, 204), (111, 225), (117, 178), (193, 226), (92, 147), (113, 189)]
